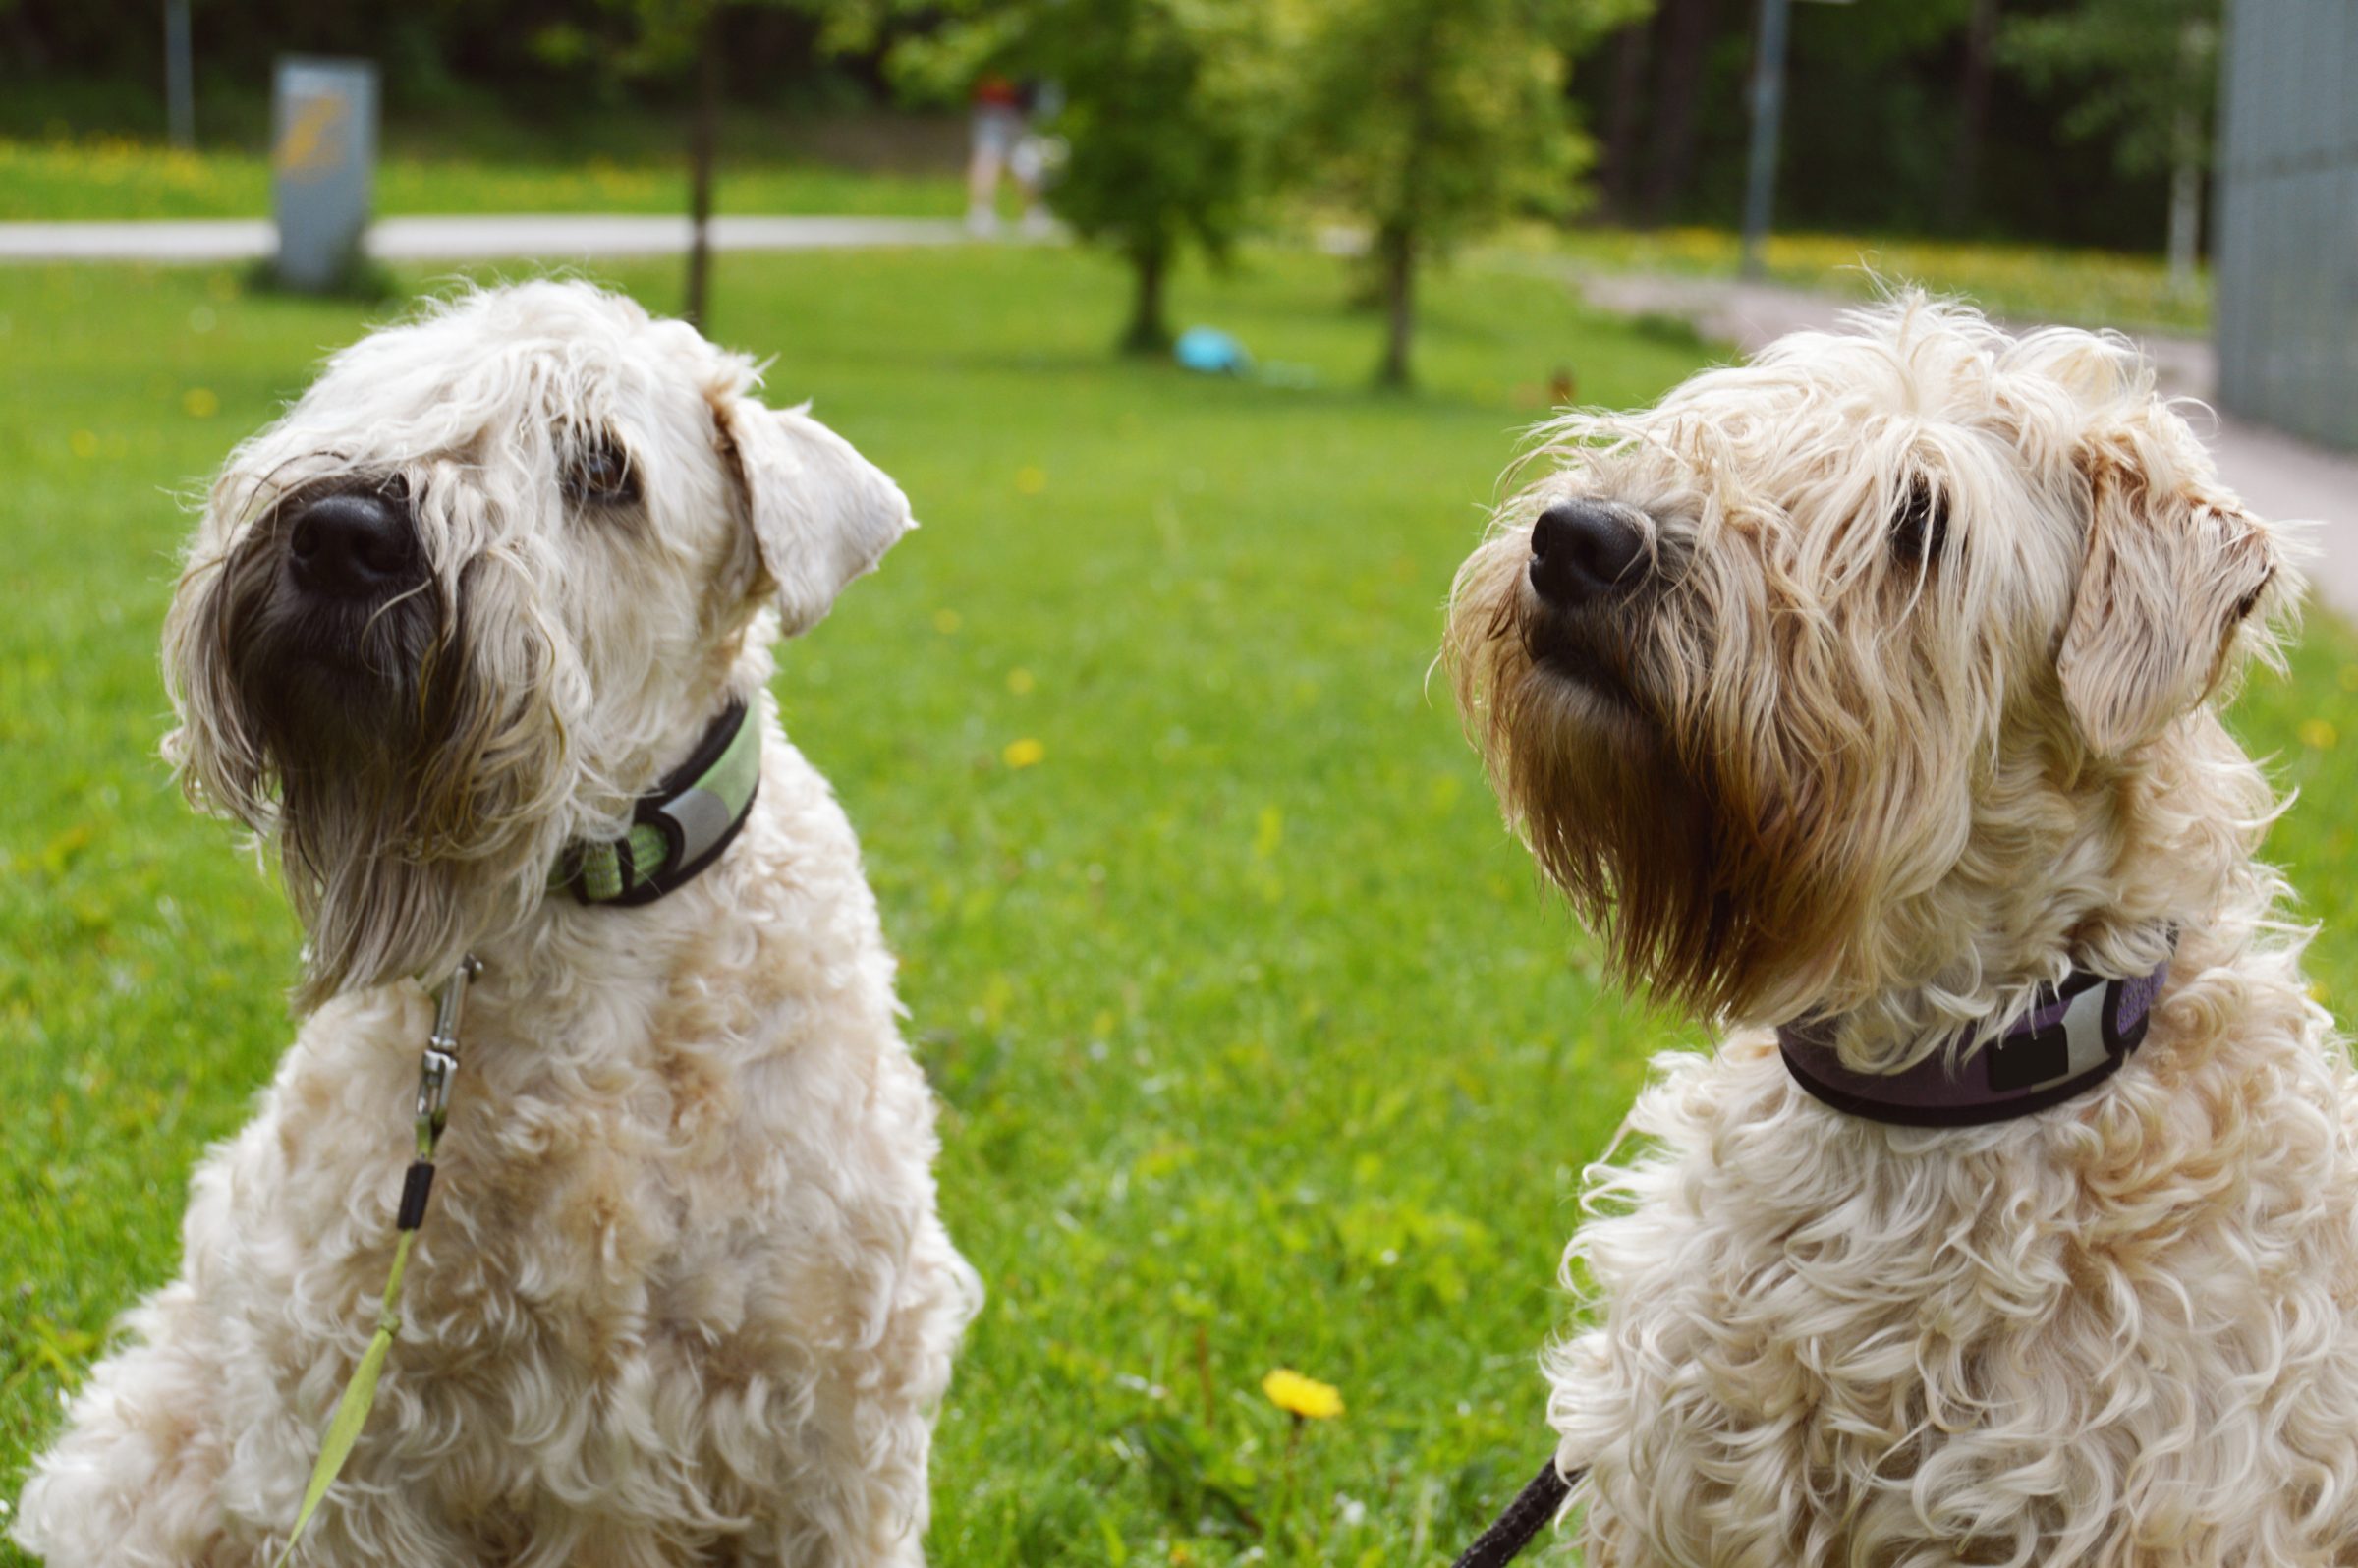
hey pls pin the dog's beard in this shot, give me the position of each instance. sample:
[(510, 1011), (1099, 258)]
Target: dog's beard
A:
[(1601, 761), (406, 799)]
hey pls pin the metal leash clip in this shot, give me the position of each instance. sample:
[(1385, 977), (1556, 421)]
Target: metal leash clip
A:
[(440, 1061)]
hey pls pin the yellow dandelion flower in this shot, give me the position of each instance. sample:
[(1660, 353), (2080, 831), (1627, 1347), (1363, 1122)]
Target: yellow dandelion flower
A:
[(947, 622), (1304, 1398), (1020, 681), (2318, 735), (1030, 479), (1025, 753), (199, 403), (84, 443)]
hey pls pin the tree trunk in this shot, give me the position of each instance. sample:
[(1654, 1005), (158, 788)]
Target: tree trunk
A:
[(703, 136), (1973, 114), (1677, 97), (1623, 122), (1147, 332), (1396, 254)]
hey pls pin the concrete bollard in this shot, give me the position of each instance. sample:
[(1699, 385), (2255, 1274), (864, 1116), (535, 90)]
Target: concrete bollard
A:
[(322, 163)]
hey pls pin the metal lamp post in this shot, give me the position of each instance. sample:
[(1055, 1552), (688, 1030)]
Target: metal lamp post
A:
[(1767, 115), (180, 75)]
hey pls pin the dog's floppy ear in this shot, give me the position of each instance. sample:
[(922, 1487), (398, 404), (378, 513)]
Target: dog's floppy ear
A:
[(821, 513), (2171, 573)]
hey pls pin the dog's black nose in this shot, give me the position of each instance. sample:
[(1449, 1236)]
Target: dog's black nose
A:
[(1582, 552), (353, 545)]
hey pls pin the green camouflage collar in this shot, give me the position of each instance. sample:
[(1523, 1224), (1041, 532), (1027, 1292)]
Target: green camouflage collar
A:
[(677, 828)]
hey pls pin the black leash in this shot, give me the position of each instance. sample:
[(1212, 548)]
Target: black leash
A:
[(1525, 1517)]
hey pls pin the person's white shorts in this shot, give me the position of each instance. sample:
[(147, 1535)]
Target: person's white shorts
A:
[(997, 130)]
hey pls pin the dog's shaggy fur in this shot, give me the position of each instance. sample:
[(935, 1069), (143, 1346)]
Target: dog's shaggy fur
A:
[(682, 1296), (1914, 711)]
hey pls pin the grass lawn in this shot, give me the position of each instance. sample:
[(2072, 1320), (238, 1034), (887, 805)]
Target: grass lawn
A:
[(1259, 1045)]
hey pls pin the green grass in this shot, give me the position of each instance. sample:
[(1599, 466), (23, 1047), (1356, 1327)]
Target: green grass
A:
[(112, 177), (1258, 1043), (2027, 283)]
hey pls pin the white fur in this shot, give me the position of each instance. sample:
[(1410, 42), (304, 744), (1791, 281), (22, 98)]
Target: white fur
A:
[(682, 1296), (2123, 1331)]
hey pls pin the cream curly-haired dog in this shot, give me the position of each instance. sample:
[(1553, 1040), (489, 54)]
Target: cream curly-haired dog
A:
[(477, 638), (1868, 690)]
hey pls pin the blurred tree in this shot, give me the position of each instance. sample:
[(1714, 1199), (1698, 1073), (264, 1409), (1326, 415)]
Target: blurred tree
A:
[(672, 38), (1161, 110), (1434, 119), (2146, 73), (1625, 109), (666, 37), (1973, 112), (1899, 118), (1876, 96), (1686, 28)]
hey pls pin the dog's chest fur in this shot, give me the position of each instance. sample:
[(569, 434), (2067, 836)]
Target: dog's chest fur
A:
[(664, 1231), (2083, 1332)]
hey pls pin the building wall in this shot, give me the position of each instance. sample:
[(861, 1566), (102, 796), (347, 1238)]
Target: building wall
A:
[(2286, 232)]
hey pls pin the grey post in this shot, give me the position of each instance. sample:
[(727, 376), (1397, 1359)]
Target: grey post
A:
[(322, 159), (1767, 110), (180, 75), (2284, 226)]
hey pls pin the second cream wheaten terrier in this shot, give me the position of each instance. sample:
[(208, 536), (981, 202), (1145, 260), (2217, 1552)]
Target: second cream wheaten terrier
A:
[(1865, 696), (477, 639)]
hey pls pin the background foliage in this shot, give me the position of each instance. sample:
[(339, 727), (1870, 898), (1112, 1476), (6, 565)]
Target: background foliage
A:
[(1885, 105), (1436, 119)]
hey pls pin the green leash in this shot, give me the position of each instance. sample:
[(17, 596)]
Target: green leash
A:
[(436, 1068)]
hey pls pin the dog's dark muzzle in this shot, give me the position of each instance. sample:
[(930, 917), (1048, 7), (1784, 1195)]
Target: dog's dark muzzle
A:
[(1593, 573), (1585, 553), (353, 546), (337, 617), (353, 594)]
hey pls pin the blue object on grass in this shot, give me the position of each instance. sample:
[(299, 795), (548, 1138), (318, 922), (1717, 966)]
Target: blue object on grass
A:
[(1210, 352)]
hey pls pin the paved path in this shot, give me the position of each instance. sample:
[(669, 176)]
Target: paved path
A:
[(2278, 476), (539, 236)]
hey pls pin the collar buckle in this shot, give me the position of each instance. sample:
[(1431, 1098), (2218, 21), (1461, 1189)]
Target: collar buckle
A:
[(677, 828)]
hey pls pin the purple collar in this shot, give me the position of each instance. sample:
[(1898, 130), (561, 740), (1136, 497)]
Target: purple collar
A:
[(2073, 1040)]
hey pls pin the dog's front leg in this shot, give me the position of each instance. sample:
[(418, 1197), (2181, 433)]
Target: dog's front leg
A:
[(136, 1476)]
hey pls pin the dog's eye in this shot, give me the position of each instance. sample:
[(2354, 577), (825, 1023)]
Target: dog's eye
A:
[(1919, 528), (601, 474)]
